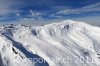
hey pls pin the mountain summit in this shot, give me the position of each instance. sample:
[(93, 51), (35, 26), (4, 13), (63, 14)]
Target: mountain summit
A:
[(68, 43)]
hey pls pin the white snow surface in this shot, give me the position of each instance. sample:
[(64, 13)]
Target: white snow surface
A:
[(74, 43)]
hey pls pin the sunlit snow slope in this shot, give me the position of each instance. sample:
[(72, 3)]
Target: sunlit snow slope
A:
[(77, 42)]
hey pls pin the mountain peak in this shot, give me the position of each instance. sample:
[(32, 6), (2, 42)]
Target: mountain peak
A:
[(66, 40)]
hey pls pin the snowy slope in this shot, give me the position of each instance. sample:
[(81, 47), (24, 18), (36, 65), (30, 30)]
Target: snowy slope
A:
[(74, 43)]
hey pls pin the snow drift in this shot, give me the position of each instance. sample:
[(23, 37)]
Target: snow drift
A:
[(71, 43)]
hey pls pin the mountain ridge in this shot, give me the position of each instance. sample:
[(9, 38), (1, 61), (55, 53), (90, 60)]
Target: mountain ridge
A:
[(67, 40)]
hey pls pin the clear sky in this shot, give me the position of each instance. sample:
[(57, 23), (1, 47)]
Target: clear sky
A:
[(47, 11)]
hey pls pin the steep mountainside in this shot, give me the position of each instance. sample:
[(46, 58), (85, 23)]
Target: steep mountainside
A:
[(68, 43)]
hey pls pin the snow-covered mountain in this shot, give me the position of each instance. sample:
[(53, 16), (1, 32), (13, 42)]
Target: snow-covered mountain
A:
[(68, 43)]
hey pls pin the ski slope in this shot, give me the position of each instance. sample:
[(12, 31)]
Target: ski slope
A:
[(72, 43)]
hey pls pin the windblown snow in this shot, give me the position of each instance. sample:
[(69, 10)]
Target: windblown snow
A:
[(68, 43)]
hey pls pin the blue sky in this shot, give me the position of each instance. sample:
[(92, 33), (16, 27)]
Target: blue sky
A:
[(48, 11)]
